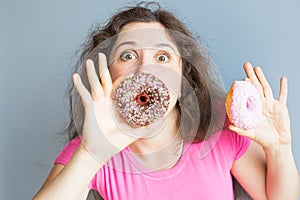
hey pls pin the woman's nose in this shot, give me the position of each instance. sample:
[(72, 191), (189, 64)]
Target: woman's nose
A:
[(146, 58)]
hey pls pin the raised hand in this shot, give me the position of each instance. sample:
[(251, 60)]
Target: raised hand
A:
[(101, 136), (273, 129)]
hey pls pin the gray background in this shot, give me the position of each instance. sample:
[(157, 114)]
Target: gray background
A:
[(38, 40)]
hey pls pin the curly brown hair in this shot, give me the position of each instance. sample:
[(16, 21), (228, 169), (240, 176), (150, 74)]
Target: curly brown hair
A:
[(197, 70)]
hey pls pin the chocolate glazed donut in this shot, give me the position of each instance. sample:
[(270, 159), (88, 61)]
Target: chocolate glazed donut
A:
[(142, 99)]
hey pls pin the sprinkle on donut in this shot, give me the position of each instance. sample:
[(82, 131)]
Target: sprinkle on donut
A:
[(243, 105), (142, 99)]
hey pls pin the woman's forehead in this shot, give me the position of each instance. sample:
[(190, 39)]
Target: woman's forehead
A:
[(145, 35)]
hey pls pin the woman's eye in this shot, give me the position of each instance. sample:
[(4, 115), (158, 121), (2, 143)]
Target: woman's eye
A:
[(127, 56), (162, 58)]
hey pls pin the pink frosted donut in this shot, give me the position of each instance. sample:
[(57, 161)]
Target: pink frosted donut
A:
[(243, 105)]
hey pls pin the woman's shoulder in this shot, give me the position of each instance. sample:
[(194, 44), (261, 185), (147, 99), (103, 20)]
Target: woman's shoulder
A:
[(224, 142), (67, 152), (238, 144)]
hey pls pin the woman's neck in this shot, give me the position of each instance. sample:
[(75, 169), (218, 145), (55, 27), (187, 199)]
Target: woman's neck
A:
[(162, 150)]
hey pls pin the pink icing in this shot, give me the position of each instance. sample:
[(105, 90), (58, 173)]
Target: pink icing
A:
[(246, 106)]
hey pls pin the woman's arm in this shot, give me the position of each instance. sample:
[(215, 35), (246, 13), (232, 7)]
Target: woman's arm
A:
[(282, 175), (268, 169), (101, 138), (250, 171), (279, 181), (70, 181)]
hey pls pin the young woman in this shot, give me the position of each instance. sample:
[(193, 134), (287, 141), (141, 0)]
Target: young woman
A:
[(192, 152)]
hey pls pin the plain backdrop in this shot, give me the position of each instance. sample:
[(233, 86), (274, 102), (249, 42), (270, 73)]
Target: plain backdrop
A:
[(38, 40)]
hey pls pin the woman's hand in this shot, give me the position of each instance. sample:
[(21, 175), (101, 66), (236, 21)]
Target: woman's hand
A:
[(100, 135), (273, 129)]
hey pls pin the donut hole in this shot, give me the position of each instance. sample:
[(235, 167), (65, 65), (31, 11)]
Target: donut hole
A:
[(250, 103), (142, 99)]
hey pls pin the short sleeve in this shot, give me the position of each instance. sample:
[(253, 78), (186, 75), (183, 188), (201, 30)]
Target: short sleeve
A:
[(241, 144), (66, 154)]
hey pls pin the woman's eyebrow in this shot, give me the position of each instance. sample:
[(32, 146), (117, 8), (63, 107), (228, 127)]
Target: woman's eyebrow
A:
[(125, 43), (158, 45)]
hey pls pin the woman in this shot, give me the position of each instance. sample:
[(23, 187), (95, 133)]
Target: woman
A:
[(136, 163)]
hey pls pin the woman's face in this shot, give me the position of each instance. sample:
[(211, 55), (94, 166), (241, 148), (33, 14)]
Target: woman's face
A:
[(144, 47), (142, 44)]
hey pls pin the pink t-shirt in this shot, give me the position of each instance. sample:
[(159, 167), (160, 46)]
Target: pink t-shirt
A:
[(202, 172)]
